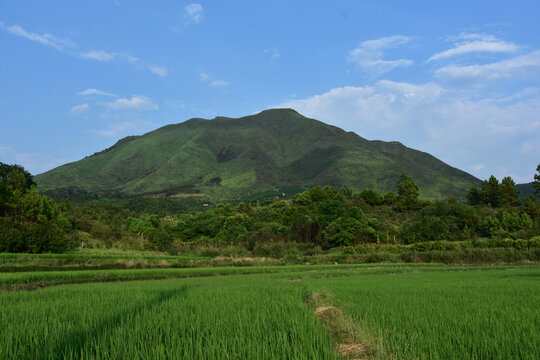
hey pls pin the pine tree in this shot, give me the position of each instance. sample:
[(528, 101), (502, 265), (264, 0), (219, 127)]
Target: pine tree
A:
[(491, 192), (509, 194), (474, 197)]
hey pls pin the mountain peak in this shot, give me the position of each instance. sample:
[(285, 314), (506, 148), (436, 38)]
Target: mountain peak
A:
[(274, 149), (280, 111)]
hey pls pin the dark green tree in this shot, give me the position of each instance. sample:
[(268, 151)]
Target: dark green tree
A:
[(16, 175), (509, 194), (407, 192), (474, 197), (390, 198), (531, 207), (491, 192)]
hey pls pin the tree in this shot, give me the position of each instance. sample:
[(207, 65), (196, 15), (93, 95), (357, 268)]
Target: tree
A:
[(407, 192), (536, 182), (474, 197), (509, 194), (491, 192), (17, 176), (390, 198), (371, 197)]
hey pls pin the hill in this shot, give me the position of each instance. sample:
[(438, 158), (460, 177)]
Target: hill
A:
[(526, 190), (274, 151)]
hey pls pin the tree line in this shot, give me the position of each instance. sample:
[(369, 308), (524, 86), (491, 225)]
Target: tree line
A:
[(320, 217)]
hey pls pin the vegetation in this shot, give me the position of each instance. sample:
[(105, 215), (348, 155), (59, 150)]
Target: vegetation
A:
[(273, 153), (30, 222), (304, 228), (443, 315), (401, 312), (536, 182)]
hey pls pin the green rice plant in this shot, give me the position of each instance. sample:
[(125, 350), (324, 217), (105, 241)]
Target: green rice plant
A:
[(414, 311), (212, 318), (490, 314), (38, 279)]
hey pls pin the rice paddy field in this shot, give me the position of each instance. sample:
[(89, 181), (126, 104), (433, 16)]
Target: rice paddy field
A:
[(383, 311)]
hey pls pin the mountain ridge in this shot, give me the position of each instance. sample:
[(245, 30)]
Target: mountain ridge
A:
[(227, 158)]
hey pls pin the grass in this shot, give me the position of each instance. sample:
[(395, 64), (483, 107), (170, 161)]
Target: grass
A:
[(398, 311), (38, 279), (489, 314), (109, 259), (214, 318)]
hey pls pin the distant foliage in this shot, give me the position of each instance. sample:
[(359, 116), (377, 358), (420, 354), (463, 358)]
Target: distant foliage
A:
[(494, 193), (316, 219)]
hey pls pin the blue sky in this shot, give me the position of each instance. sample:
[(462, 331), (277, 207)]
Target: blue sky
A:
[(459, 80)]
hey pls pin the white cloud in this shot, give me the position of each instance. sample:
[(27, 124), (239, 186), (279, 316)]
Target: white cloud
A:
[(476, 46), (477, 167), (98, 55), (205, 78), (274, 53), (194, 12), (219, 83), (95, 92), (475, 43), (521, 67), (136, 102), (45, 39), (158, 70), (445, 122), (77, 109), (367, 56)]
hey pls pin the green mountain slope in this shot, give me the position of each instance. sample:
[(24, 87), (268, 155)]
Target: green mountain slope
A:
[(227, 158)]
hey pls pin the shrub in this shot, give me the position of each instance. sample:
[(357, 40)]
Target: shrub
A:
[(534, 242)]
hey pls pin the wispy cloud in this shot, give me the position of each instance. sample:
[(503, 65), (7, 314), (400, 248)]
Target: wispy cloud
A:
[(137, 103), (205, 78), (219, 83), (158, 70), (521, 67), (43, 39), (77, 109), (88, 92), (475, 43), (368, 55), (274, 53), (194, 12), (98, 55)]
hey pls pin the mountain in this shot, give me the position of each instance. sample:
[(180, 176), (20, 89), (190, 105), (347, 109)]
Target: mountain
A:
[(273, 151), (526, 190)]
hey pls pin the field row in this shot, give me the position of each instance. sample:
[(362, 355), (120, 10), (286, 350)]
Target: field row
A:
[(34, 280), (418, 312)]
